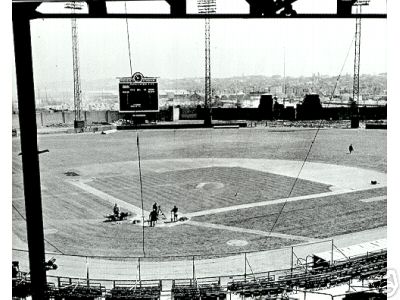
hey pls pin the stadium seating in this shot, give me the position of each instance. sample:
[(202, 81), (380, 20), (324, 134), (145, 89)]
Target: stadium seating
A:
[(81, 292), (135, 290), (208, 290), (370, 268), (363, 267)]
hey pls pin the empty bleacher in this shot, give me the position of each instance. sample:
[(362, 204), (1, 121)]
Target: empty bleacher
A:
[(207, 289), (369, 270), (363, 267), (73, 289), (150, 290)]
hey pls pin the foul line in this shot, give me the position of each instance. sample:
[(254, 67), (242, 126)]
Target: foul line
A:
[(252, 231), (277, 201), (132, 208), (380, 198)]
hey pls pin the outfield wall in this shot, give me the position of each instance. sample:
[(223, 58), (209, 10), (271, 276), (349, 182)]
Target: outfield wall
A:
[(50, 118), (66, 118)]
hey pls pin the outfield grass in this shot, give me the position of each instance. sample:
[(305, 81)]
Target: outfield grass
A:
[(69, 150), (317, 218)]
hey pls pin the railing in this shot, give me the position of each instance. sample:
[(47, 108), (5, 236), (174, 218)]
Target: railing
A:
[(178, 267), (293, 280)]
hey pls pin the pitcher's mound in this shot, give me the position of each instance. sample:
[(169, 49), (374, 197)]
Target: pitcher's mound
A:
[(210, 186), (237, 243)]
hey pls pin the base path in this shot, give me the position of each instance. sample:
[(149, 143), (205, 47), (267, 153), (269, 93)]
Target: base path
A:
[(282, 200), (123, 204)]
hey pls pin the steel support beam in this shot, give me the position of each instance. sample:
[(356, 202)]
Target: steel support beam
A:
[(178, 7), (29, 148), (344, 7), (268, 7), (97, 8)]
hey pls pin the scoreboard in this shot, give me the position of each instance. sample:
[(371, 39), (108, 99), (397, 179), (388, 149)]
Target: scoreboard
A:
[(138, 94)]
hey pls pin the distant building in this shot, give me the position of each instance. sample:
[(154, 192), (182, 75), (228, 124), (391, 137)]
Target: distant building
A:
[(276, 90)]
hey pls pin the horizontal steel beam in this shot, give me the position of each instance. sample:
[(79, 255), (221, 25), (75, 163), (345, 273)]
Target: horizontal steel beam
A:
[(199, 16)]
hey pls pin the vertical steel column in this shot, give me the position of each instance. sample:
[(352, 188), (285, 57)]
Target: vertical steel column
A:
[(291, 263), (140, 278), (245, 266), (194, 270), (87, 272), (29, 149)]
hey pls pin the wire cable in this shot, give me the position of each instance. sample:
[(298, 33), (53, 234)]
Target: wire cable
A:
[(141, 190), (129, 42), (23, 217), (311, 145), (137, 134)]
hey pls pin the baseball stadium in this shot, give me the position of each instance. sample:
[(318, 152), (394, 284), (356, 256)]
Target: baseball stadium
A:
[(269, 201)]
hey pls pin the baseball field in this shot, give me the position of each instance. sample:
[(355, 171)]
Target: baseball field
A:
[(241, 189)]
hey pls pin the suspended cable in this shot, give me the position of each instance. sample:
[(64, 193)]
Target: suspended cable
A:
[(129, 42), (141, 191), (251, 270), (137, 134), (23, 217), (311, 145)]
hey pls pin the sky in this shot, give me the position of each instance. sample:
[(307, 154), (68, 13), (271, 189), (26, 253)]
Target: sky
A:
[(169, 48)]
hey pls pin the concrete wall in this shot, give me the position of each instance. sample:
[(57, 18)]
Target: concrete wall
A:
[(52, 118), (69, 117), (48, 118), (95, 116)]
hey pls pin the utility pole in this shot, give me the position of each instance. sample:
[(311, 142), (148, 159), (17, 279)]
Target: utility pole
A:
[(75, 60), (207, 7)]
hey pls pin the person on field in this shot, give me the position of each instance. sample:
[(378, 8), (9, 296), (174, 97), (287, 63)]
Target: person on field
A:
[(160, 212), (153, 218), (351, 149), (174, 211), (116, 210)]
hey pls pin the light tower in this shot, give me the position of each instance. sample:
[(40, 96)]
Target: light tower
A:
[(207, 7), (75, 60), (356, 76)]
